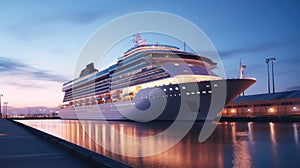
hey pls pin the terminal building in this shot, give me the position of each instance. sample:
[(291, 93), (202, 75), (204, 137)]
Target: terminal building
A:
[(279, 104)]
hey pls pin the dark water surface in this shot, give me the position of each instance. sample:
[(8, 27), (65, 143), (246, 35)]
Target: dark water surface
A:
[(232, 144)]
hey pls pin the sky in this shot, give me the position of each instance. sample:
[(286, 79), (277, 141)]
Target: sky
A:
[(40, 41)]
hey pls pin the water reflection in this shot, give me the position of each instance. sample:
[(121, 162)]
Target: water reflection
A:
[(241, 156), (274, 141), (273, 136), (296, 134), (231, 145)]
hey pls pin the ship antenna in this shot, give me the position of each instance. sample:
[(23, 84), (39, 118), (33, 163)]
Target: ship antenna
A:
[(138, 40), (242, 75), (242, 68)]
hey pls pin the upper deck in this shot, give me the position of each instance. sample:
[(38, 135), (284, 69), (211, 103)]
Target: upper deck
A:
[(148, 47)]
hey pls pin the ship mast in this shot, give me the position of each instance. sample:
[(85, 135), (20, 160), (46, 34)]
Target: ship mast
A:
[(138, 40), (242, 68), (242, 75)]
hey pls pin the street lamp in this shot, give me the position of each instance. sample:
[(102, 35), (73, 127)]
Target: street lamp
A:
[(267, 61), (5, 107), (0, 104), (272, 60)]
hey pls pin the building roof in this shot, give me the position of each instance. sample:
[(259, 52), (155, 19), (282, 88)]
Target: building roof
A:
[(266, 96)]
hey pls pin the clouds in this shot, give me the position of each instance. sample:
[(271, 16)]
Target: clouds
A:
[(16, 68), (76, 17), (297, 87), (259, 48)]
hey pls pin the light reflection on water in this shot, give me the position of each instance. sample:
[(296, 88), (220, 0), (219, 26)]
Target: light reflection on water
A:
[(232, 144)]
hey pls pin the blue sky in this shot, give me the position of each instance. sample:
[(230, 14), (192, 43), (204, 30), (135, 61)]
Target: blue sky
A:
[(41, 40)]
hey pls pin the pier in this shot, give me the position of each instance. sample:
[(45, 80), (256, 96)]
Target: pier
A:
[(24, 146)]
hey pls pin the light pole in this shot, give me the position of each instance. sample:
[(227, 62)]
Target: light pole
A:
[(5, 107), (273, 80), (1, 95), (268, 69), (272, 60)]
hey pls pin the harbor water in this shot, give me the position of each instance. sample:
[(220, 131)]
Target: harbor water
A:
[(232, 144)]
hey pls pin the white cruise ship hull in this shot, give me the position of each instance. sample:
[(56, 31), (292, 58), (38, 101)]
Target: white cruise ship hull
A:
[(197, 101)]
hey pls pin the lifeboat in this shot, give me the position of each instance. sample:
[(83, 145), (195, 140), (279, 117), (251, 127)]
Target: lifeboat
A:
[(100, 99), (107, 97)]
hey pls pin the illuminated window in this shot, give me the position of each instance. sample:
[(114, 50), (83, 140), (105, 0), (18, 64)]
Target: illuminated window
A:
[(183, 87), (176, 64), (198, 92), (192, 93), (271, 109), (207, 86), (203, 91), (187, 93), (209, 91), (294, 108), (176, 88), (165, 90), (170, 89), (248, 110)]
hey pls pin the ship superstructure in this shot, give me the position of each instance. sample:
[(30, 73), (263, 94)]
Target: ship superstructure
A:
[(138, 71)]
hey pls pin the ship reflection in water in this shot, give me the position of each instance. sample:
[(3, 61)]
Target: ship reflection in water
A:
[(232, 144)]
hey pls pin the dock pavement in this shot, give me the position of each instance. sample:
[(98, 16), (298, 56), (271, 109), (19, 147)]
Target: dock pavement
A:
[(23, 146)]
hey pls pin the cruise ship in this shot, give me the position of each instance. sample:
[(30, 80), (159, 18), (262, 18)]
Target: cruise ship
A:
[(151, 82)]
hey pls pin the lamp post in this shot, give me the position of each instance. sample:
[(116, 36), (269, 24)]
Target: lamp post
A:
[(272, 60), (0, 103), (273, 80), (5, 107), (268, 69)]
